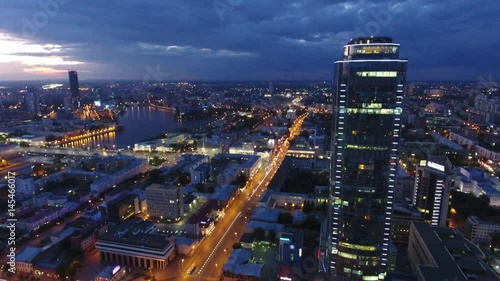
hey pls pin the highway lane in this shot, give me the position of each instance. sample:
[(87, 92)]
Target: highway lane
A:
[(213, 251)]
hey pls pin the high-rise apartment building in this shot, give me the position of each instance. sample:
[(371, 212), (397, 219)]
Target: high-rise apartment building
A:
[(32, 101), (432, 191), (368, 88), (165, 201), (73, 84)]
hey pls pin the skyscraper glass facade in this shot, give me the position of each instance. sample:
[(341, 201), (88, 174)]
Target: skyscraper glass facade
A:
[(73, 84), (368, 90)]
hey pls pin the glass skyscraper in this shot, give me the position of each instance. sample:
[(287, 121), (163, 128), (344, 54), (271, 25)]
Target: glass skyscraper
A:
[(368, 96), (73, 84)]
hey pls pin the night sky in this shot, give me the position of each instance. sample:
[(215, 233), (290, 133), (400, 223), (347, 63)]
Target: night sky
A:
[(241, 39)]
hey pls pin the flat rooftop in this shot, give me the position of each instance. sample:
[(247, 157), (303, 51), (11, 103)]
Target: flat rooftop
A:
[(455, 257)]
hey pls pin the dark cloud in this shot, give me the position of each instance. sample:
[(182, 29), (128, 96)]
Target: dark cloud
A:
[(258, 39)]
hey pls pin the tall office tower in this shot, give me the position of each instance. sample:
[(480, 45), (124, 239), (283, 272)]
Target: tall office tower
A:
[(432, 192), (32, 101), (73, 84), (368, 89), (68, 104), (271, 88)]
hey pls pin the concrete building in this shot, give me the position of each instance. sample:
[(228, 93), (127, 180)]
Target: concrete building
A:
[(122, 207), (238, 267), (402, 217), (478, 182), (439, 253), (165, 201), (241, 163), (40, 218), (132, 243), (479, 231), (462, 139), (201, 174), (25, 186), (489, 152)]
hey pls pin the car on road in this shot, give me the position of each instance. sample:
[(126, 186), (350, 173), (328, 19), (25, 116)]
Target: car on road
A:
[(191, 269)]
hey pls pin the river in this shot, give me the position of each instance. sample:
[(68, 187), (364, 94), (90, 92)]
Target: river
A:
[(139, 123)]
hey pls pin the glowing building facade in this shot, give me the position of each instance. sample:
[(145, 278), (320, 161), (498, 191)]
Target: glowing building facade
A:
[(368, 88)]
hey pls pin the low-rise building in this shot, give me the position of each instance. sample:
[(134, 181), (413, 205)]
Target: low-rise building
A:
[(201, 174), (238, 267), (478, 182), (440, 253), (132, 243), (402, 217), (202, 222), (40, 218), (479, 231)]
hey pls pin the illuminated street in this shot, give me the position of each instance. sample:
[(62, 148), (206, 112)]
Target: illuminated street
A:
[(213, 251)]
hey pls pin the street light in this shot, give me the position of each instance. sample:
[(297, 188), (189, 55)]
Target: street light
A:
[(182, 264)]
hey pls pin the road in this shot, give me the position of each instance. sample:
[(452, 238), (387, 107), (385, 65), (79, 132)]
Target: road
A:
[(214, 250)]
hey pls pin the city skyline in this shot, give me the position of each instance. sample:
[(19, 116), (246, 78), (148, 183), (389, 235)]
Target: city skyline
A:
[(239, 40)]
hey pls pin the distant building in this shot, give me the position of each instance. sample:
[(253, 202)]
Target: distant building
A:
[(73, 84), (291, 114), (25, 186), (165, 201), (440, 253), (32, 102), (479, 231), (201, 174), (462, 139), (68, 104), (241, 163)]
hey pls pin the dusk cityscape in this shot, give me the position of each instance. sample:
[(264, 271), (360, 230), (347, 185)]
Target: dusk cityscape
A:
[(233, 140)]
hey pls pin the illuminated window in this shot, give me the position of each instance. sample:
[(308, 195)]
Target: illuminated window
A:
[(383, 111), (361, 166), (377, 74), (354, 132)]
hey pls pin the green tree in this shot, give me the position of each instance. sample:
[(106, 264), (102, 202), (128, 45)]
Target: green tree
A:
[(311, 223), (24, 144), (259, 234), (272, 235), (285, 218), (308, 207), (241, 180), (485, 199), (200, 187), (155, 176)]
